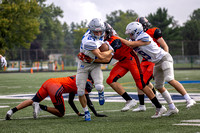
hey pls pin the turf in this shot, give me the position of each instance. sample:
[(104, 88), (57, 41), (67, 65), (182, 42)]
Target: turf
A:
[(116, 122)]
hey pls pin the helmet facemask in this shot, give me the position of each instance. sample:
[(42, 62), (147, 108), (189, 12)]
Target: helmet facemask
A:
[(95, 26)]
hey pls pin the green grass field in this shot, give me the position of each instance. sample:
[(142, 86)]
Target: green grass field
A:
[(116, 122)]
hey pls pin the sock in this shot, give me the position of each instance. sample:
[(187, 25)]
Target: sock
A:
[(167, 97), (14, 110), (154, 91), (85, 109), (187, 97), (141, 99), (126, 96), (156, 102), (43, 107), (171, 106)]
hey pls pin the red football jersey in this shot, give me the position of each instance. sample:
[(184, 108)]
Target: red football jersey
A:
[(121, 50)]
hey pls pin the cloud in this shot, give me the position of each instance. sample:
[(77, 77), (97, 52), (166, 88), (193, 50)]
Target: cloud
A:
[(77, 10)]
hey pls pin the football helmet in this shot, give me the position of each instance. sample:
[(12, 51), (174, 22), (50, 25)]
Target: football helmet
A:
[(96, 25), (134, 29), (145, 23), (108, 31)]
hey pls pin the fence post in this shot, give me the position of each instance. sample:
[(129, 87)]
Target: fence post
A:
[(183, 49), (62, 65), (199, 48)]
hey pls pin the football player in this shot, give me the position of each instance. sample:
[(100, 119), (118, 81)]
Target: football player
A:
[(146, 66), (55, 87), (143, 44), (91, 41)]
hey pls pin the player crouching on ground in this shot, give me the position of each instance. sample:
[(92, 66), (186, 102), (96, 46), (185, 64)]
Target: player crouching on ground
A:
[(55, 87)]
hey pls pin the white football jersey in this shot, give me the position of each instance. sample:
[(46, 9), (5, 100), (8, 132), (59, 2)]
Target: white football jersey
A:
[(89, 43), (151, 52)]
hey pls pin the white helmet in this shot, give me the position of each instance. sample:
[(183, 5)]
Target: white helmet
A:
[(97, 24), (135, 29)]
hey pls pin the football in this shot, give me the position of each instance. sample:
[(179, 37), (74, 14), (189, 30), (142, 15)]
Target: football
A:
[(104, 47)]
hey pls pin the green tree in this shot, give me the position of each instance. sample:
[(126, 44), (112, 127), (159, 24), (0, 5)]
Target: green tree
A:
[(67, 37), (19, 23), (52, 35), (191, 29), (119, 19), (191, 33), (167, 24), (78, 32)]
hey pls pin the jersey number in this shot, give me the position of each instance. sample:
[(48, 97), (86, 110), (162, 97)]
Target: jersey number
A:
[(144, 55)]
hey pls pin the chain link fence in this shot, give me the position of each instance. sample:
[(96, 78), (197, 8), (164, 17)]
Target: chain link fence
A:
[(186, 55)]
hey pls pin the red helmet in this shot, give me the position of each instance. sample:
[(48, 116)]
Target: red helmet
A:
[(145, 23)]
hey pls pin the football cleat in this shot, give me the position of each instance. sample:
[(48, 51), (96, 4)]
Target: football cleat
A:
[(87, 116), (159, 112), (9, 114), (129, 104), (36, 109), (140, 108), (101, 98), (171, 112), (190, 103)]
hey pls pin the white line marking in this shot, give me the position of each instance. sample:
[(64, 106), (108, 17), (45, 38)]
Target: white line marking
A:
[(197, 120), (4, 106), (187, 124)]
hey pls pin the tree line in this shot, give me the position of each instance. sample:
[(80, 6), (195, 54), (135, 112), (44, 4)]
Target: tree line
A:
[(33, 25)]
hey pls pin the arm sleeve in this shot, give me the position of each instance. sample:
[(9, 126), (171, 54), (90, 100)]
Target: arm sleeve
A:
[(157, 33), (71, 102), (90, 105)]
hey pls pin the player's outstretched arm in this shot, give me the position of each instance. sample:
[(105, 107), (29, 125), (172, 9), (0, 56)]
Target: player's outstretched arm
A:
[(133, 44), (73, 106), (91, 106)]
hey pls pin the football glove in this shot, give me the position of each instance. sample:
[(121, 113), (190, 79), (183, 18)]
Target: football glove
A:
[(3, 62), (100, 115), (85, 58), (80, 114)]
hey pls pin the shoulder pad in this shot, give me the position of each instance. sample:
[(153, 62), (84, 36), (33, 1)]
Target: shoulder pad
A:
[(157, 33)]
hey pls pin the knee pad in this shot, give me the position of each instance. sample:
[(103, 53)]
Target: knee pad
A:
[(99, 87), (166, 65), (159, 86), (80, 92), (169, 78)]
